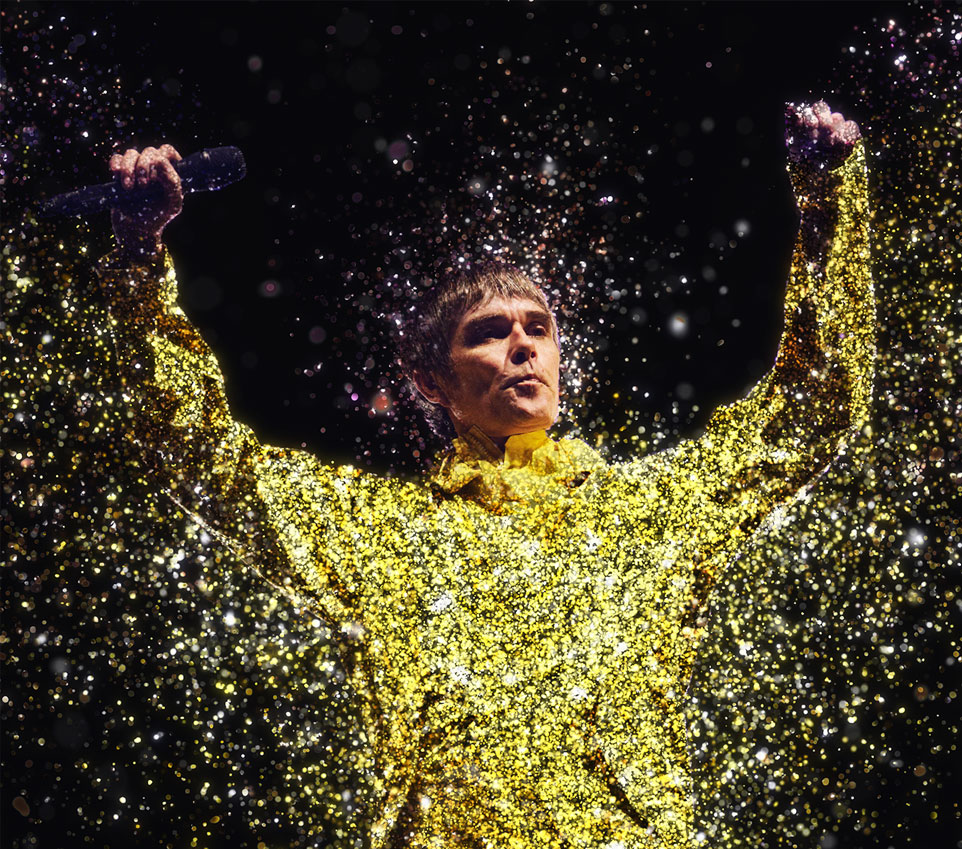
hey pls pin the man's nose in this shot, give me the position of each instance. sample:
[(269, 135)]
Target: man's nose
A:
[(523, 350)]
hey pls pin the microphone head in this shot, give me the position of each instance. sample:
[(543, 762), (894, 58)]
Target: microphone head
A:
[(212, 168)]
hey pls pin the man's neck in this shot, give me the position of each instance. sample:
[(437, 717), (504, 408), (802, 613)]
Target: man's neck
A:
[(495, 448)]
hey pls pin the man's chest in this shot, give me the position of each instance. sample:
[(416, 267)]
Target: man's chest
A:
[(527, 607), (530, 651)]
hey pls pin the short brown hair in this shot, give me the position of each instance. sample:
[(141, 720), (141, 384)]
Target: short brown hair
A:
[(425, 334)]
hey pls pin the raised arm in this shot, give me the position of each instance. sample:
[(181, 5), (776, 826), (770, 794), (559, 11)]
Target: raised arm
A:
[(792, 424), (707, 496), (281, 509), (172, 382)]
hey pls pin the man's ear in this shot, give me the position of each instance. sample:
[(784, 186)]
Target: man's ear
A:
[(429, 387)]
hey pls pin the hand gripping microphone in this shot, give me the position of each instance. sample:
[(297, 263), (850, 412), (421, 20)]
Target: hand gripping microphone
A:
[(204, 171)]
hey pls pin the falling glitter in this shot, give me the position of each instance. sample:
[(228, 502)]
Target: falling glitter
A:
[(150, 679)]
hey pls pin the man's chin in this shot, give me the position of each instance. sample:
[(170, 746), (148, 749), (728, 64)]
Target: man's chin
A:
[(530, 422)]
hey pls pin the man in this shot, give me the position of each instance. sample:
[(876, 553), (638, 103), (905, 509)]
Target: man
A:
[(524, 623)]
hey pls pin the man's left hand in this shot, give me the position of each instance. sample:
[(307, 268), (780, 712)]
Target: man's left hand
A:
[(817, 135)]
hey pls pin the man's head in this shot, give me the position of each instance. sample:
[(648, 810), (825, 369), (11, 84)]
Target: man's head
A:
[(483, 350)]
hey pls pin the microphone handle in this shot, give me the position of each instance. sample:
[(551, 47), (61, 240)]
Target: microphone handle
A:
[(204, 171)]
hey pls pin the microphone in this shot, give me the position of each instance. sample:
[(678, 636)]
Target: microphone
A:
[(204, 171)]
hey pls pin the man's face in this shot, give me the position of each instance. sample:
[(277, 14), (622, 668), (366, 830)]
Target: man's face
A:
[(504, 364)]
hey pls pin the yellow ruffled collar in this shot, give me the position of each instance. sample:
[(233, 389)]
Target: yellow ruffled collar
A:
[(531, 466)]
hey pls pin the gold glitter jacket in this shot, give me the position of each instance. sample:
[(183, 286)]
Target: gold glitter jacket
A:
[(521, 629)]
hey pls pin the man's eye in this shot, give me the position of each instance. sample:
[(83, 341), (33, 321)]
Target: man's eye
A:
[(538, 330), (485, 334)]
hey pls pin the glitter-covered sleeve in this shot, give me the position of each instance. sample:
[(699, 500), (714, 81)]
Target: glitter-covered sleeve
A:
[(682, 514), (193, 448), (758, 453)]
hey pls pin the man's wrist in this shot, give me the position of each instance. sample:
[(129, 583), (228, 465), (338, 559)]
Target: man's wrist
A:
[(140, 249)]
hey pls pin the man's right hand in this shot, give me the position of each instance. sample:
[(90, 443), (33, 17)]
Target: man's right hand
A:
[(139, 231)]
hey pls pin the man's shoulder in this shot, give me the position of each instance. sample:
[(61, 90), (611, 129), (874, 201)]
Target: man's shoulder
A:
[(651, 467), (288, 474)]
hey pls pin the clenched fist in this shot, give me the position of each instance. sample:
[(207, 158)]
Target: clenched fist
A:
[(139, 231), (816, 135)]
